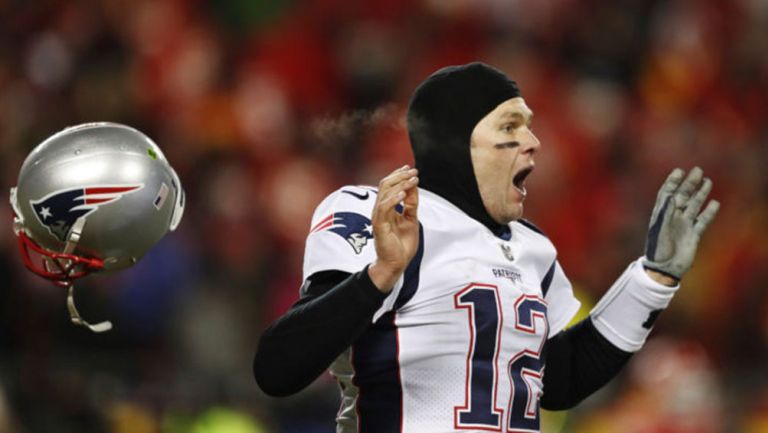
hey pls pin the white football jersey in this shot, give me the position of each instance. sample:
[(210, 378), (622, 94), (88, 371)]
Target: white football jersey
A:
[(457, 344)]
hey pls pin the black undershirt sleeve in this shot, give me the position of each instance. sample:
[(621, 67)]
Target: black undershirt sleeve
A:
[(579, 361), (334, 310)]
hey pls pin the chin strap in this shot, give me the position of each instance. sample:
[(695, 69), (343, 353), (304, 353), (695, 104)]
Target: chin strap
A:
[(74, 315)]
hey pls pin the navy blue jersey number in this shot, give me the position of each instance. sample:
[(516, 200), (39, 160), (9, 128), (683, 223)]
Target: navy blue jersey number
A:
[(480, 409), (485, 320), (527, 366)]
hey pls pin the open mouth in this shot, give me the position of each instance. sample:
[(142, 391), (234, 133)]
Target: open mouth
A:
[(519, 180)]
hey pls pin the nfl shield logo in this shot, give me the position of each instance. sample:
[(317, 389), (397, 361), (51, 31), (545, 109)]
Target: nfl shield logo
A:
[(507, 250)]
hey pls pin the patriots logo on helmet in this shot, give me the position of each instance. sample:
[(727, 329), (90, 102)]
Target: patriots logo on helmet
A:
[(59, 210), (354, 228)]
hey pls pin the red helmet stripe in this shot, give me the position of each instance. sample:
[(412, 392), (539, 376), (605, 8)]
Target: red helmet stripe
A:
[(109, 189), (105, 194)]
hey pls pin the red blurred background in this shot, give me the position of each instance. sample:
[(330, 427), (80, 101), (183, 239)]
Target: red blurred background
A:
[(264, 107)]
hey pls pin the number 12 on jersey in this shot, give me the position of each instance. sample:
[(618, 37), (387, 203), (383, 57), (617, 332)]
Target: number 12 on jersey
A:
[(480, 410)]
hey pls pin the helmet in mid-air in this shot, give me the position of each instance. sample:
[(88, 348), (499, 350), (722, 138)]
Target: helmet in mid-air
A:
[(93, 197)]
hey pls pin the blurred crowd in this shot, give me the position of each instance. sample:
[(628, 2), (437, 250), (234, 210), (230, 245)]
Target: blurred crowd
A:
[(264, 107)]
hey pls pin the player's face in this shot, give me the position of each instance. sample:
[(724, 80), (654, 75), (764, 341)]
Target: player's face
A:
[(502, 147)]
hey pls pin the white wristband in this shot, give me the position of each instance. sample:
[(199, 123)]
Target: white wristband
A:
[(625, 314)]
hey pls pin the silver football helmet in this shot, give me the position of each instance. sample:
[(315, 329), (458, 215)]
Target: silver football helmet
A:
[(97, 194), (93, 197)]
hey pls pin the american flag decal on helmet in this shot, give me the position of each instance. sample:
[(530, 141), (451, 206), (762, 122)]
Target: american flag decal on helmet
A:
[(59, 210)]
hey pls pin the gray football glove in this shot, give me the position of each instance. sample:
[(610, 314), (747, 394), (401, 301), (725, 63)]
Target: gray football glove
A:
[(676, 224)]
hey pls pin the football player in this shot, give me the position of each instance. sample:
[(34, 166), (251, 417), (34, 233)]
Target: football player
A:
[(437, 308)]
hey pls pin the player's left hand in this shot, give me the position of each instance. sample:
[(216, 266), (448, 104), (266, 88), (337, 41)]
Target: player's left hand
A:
[(676, 223)]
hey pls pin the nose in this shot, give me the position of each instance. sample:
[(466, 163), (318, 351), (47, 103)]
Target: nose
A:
[(530, 142)]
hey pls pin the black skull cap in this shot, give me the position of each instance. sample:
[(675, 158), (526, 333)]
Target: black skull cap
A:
[(442, 113)]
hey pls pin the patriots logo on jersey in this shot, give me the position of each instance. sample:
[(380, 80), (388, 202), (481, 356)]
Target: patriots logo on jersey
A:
[(356, 229), (59, 210)]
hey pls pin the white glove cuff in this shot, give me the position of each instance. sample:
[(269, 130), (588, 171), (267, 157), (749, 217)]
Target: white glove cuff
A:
[(625, 314)]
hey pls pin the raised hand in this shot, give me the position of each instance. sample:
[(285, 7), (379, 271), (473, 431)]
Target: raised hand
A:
[(677, 223), (396, 233)]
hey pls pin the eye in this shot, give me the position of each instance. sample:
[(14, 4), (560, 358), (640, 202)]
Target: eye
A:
[(508, 127), (507, 145)]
